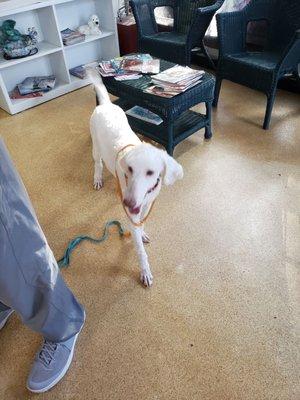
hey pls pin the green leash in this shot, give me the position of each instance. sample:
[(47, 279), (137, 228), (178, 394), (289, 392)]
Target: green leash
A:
[(65, 260)]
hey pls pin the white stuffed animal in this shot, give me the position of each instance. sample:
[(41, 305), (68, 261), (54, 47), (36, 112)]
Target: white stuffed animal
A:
[(92, 27)]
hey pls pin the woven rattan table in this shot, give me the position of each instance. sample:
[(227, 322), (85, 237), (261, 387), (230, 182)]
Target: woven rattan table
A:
[(179, 121)]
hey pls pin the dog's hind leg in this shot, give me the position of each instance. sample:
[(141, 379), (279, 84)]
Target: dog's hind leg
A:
[(98, 182)]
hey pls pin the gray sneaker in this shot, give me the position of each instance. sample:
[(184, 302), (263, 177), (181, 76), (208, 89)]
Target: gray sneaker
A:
[(51, 364), (4, 315)]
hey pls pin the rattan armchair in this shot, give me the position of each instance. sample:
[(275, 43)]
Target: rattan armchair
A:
[(259, 70), (191, 20)]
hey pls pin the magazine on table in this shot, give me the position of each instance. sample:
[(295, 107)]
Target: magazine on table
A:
[(174, 81), (145, 115), (126, 65), (145, 67), (162, 91), (178, 74), (127, 77)]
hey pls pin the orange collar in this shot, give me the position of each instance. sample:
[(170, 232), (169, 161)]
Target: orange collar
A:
[(119, 191)]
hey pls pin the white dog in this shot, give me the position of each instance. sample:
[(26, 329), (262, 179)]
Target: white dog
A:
[(140, 168), (92, 27)]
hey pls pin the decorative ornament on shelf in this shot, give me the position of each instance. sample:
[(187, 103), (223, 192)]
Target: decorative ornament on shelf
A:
[(92, 27), (124, 10), (14, 44)]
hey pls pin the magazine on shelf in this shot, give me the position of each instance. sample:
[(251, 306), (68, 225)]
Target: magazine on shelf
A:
[(79, 71), (15, 94), (36, 84), (145, 115), (70, 37)]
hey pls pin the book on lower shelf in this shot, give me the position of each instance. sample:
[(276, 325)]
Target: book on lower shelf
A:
[(79, 71), (33, 86), (144, 115)]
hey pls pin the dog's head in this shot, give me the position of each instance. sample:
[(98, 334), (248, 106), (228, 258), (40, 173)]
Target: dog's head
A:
[(145, 168), (94, 20)]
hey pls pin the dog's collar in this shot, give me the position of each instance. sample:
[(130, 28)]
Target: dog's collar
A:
[(121, 151)]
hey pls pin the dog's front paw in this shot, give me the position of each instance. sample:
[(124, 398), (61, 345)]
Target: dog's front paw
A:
[(98, 184), (146, 278), (145, 238)]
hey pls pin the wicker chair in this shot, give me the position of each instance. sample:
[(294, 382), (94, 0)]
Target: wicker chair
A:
[(259, 70), (190, 25)]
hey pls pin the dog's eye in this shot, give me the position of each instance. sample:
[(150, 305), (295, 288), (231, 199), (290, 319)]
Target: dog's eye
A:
[(149, 173), (130, 170)]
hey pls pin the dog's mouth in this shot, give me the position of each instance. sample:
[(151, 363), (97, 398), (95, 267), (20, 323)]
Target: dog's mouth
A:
[(137, 209), (134, 210)]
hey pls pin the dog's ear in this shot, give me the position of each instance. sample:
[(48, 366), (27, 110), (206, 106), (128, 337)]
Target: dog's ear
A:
[(122, 163), (172, 171)]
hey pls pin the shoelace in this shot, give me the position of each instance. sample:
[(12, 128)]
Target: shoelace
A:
[(46, 354)]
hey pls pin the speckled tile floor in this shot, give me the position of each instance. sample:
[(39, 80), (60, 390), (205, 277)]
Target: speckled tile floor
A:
[(222, 319)]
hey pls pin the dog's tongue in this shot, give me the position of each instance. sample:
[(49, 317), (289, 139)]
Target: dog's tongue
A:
[(134, 210)]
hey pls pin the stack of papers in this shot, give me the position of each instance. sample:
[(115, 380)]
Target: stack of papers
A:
[(174, 81)]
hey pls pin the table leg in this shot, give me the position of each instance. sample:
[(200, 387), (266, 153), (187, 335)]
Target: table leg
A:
[(208, 132), (170, 145)]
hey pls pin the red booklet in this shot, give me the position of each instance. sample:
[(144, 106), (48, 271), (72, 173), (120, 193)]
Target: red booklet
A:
[(15, 94)]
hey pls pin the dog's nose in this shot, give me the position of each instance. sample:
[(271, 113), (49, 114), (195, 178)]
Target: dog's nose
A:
[(130, 203), (97, 22)]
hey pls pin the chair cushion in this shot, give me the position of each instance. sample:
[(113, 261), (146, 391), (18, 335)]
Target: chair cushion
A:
[(167, 38), (170, 46), (265, 60)]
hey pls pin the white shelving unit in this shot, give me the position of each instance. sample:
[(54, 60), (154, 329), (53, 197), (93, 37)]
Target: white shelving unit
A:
[(49, 18)]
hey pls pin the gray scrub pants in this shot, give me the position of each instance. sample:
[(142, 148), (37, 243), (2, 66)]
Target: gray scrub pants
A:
[(30, 281)]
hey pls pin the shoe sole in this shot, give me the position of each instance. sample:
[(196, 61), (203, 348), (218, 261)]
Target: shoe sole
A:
[(5, 320), (63, 372)]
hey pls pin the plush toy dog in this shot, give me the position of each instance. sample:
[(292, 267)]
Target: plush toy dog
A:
[(92, 27)]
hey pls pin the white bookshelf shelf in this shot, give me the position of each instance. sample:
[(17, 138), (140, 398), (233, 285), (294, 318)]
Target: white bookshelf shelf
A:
[(91, 38), (50, 17), (44, 47)]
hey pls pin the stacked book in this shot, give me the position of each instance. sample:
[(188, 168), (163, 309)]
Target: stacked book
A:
[(174, 81), (129, 67), (70, 37), (79, 71), (33, 86)]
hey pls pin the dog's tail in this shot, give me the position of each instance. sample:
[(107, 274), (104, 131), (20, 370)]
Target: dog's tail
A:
[(100, 89)]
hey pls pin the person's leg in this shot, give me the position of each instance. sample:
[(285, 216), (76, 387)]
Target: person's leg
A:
[(5, 313), (30, 281), (3, 307)]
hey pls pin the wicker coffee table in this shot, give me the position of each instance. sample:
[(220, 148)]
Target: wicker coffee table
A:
[(179, 121)]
